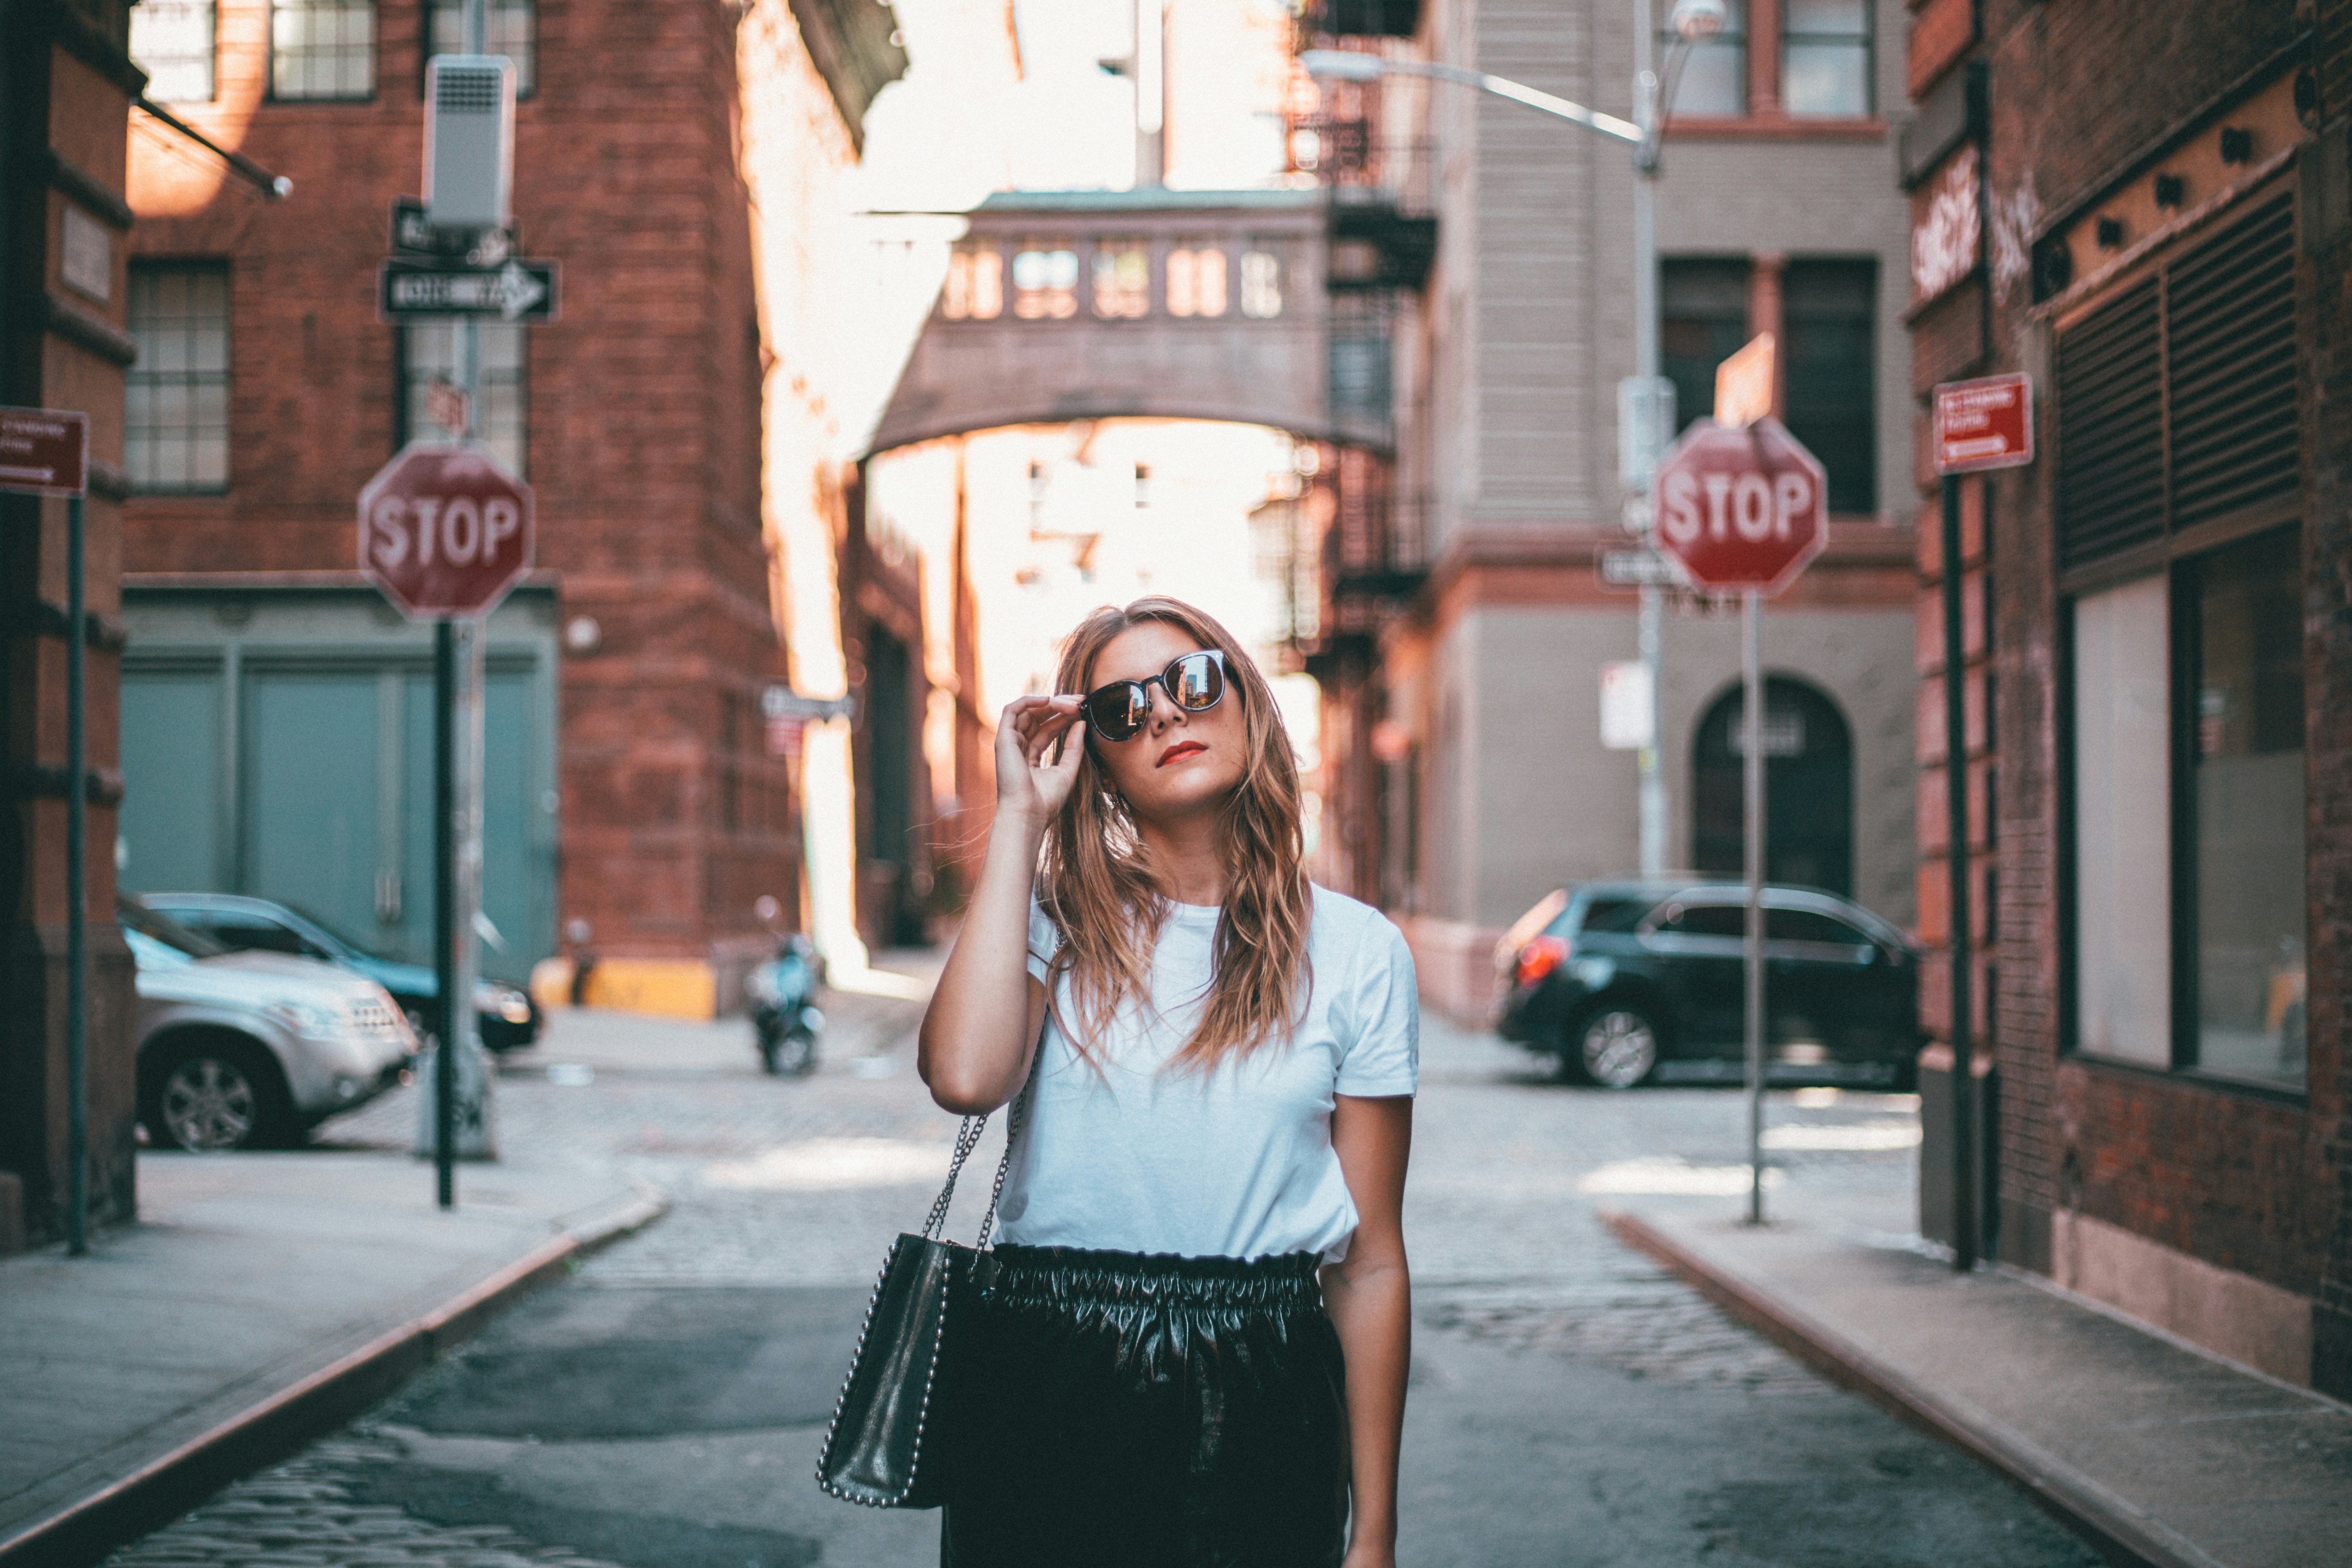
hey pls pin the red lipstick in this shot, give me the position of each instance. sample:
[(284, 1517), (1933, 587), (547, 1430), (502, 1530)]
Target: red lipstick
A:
[(1180, 749)]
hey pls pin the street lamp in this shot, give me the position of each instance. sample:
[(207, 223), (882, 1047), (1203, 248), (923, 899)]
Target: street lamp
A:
[(1645, 410)]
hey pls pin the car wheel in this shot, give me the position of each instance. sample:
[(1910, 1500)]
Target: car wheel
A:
[(214, 1095), (1614, 1047)]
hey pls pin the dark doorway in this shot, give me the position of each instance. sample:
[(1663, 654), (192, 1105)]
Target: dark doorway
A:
[(1808, 789)]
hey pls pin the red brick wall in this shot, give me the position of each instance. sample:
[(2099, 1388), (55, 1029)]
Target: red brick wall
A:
[(2076, 91), (644, 417)]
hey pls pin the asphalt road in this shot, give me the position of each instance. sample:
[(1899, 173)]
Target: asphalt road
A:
[(1571, 1404)]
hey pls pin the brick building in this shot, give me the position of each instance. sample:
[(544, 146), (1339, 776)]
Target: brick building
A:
[(2144, 208), (679, 421), (66, 87)]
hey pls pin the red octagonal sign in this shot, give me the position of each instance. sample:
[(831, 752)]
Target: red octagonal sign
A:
[(1742, 508), (445, 531)]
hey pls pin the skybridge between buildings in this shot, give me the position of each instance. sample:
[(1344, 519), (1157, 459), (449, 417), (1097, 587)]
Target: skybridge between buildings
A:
[(1064, 305)]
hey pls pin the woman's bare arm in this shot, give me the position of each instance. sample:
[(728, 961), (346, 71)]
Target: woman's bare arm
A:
[(1368, 1296), (984, 1016)]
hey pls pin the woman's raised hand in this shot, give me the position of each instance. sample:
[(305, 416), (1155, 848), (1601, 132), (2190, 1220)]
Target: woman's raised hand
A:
[(1033, 777)]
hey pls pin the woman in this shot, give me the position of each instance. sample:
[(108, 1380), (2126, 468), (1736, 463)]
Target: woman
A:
[(1194, 1350)]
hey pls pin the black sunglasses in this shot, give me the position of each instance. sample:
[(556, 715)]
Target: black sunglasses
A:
[(1195, 683)]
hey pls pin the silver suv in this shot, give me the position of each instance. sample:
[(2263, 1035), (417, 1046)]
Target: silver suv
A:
[(241, 1050)]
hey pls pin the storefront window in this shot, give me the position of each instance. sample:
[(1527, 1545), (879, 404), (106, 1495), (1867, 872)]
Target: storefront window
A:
[(2248, 804), (2123, 834)]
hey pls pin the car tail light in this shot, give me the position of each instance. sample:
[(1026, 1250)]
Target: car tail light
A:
[(1539, 958)]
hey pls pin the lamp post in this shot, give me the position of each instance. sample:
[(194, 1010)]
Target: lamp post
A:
[(1645, 402)]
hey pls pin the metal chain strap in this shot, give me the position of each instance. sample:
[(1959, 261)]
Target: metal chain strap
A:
[(967, 1139), (1005, 1161)]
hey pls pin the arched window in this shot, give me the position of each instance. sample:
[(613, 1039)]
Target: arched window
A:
[(1808, 788)]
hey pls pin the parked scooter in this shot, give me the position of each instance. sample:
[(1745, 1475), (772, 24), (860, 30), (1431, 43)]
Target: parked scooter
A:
[(784, 1017)]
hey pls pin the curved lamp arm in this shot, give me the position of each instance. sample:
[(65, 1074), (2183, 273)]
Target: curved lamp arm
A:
[(1350, 65)]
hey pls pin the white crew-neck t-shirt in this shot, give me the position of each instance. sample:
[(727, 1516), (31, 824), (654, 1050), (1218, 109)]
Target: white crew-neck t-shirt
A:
[(1236, 1162)]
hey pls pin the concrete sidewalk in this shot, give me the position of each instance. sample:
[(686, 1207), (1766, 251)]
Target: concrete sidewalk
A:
[(2161, 1453), (260, 1299)]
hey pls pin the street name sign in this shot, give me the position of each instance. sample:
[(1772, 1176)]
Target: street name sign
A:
[(518, 291), (445, 531), (1639, 569), (414, 230), (1742, 509), (1986, 423), (43, 452), (1743, 382)]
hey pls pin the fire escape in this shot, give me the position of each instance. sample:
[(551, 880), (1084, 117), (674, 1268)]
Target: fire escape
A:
[(1381, 238)]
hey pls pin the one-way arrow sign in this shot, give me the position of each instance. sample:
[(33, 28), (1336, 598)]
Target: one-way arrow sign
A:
[(521, 291)]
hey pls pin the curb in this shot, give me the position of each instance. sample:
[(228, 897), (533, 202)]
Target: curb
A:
[(2122, 1534), (168, 1486)]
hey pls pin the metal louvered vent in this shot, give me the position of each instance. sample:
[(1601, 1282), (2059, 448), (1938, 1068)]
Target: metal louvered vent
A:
[(2177, 400), (2111, 430), (2229, 337), (467, 90)]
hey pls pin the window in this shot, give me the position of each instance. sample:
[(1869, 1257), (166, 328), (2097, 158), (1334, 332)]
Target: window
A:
[(321, 48), (501, 418), (1704, 919), (2244, 799), (1260, 284), (1196, 281), (1702, 319), (172, 41), (1715, 72), (2123, 884), (2179, 472), (175, 397), (975, 286), (509, 28), (1122, 280), (1827, 337), (1812, 926), (1045, 284), (1825, 57)]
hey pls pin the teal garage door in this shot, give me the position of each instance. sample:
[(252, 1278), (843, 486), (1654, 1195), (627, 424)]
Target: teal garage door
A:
[(308, 779)]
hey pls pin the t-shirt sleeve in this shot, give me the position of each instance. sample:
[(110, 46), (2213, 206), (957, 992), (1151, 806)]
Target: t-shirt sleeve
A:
[(1383, 1055), (1044, 940)]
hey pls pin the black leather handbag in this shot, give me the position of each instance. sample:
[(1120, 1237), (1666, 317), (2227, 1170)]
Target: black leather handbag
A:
[(885, 1449)]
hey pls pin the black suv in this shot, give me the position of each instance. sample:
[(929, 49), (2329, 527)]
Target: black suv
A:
[(1636, 982)]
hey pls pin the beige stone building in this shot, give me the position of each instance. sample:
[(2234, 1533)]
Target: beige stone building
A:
[(1463, 638)]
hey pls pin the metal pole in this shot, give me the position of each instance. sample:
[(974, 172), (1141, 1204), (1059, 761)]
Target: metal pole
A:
[(1751, 724), (77, 894), (444, 909), (1646, 109), (1956, 796)]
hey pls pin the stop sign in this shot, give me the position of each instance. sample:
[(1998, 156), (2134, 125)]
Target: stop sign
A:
[(1741, 508), (445, 531)]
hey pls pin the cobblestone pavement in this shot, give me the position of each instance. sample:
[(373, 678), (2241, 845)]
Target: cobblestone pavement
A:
[(1572, 1403)]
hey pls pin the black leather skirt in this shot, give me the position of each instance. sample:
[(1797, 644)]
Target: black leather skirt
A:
[(1127, 1411)]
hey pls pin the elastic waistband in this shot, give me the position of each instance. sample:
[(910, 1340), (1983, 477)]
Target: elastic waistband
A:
[(1078, 1275)]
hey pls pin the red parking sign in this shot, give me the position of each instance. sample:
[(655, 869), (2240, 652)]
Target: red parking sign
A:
[(1742, 508), (1986, 423), (445, 531)]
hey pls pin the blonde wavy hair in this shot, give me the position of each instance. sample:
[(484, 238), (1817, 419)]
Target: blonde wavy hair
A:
[(1097, 883)]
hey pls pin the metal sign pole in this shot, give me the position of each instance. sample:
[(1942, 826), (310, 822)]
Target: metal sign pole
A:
[(76, 893), (1751, 722), (445, 907), (1956, 796)]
